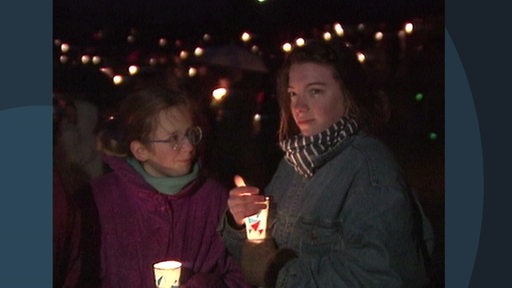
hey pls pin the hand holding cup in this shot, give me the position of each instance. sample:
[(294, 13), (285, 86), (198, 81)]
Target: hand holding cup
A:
[(244, 200), (247, 206)]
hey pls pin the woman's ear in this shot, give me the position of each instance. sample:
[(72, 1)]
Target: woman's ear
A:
[(139, 150)]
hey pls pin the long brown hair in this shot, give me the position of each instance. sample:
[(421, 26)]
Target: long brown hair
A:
[(346, 70)]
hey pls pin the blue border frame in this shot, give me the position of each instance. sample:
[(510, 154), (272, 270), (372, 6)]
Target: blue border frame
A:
[(25, 126), (471, 89)]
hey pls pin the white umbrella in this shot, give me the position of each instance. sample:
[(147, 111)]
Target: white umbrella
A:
[(235, 57)]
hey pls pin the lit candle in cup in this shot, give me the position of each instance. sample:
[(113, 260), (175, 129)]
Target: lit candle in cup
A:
[(167, 274), (255, 225)]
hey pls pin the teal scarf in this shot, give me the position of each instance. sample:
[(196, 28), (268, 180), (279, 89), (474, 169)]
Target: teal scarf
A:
[(165, 185)]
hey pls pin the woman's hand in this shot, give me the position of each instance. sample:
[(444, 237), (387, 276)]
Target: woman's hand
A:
[(244, 200)]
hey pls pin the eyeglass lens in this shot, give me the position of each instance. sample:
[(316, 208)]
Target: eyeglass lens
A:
[(194, 135)]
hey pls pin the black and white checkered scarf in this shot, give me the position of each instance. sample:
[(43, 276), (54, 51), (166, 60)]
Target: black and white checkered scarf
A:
[(308, 153)]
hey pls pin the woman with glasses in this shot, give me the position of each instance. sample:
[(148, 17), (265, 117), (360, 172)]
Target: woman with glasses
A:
[(341, 214), (157, 204)]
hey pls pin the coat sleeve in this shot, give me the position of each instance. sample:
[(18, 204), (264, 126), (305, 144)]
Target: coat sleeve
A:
[(233, 238), (228, 268)]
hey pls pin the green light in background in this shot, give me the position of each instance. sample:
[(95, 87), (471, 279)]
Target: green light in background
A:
[(419, 97), (432, 136)]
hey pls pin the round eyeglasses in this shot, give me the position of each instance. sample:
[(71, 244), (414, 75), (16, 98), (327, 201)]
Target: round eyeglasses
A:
[(193, 135)]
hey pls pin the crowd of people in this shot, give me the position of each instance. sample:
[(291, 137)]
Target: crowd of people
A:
[(154, 182)]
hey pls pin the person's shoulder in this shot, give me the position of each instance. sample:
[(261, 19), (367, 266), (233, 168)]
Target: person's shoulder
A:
[(372, 147), (284, 164), (284, 169), (212, 194), (105, 185), (103, 178), (377, 158), (213, 186)]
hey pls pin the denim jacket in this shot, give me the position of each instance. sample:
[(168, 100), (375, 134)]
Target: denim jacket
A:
[(351, 223)]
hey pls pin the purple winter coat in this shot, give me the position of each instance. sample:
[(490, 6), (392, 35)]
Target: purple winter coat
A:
[(140, 226)]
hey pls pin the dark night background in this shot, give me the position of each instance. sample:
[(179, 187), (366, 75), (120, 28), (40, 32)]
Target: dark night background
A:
[(478, 243), (420, 69), (76, 19)]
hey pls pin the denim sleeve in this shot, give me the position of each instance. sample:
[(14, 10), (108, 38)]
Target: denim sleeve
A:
[(233, 238)]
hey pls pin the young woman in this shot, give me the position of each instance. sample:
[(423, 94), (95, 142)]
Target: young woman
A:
[(341, 214), (157, 204)]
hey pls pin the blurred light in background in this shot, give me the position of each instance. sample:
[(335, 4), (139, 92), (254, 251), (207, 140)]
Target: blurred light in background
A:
[(133, 69), (246, 37), (255, 49), (327, 36), (85, 59), (183, 54), (64, 47), (287, 47), (408, 27), (63, 59), (378, 36), (108, 71), (198, 51), (192, 72), (219, 93), (338, 29), (117, 79), (96, 60), (361, 57)]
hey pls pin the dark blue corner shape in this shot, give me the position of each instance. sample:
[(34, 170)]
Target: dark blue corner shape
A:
[(25, 142), (25, 208), (464, 173)]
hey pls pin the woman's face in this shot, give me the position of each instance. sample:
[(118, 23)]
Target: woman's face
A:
[(163, 160), (316, 99)]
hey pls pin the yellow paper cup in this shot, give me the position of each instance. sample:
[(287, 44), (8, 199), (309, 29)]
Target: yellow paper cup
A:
[(167, 274)]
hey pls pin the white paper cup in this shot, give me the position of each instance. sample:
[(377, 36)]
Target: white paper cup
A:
[(167, 274), (256, 225)]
